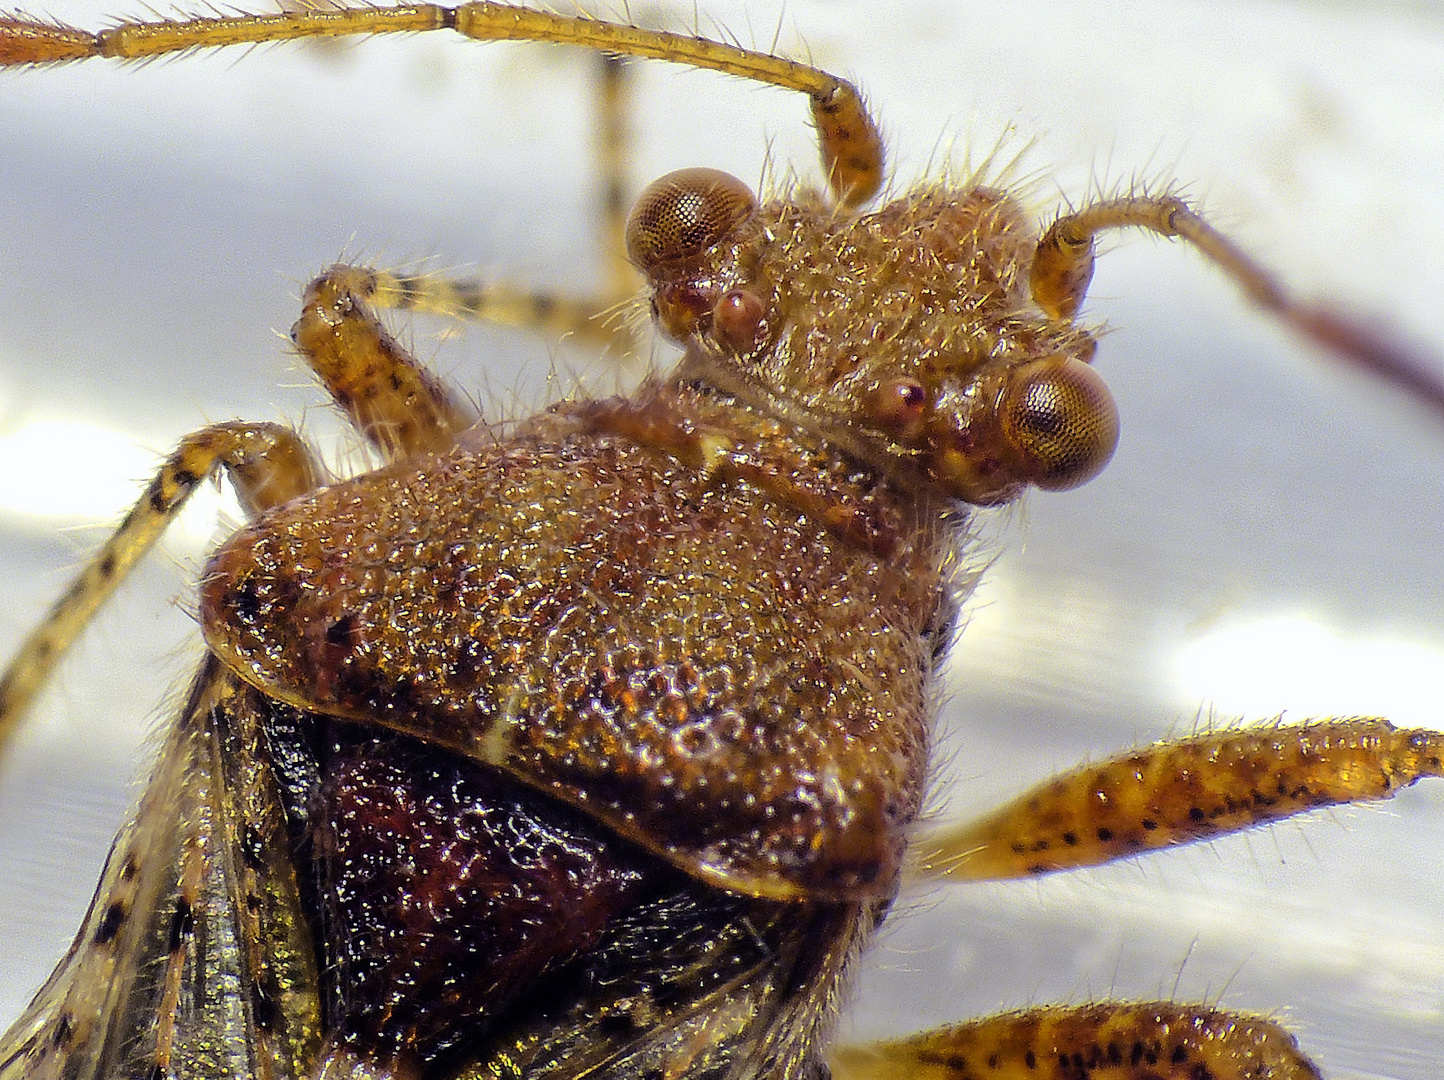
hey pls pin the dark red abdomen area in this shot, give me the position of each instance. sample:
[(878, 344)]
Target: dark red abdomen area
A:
[(449, 893), (469, 926)]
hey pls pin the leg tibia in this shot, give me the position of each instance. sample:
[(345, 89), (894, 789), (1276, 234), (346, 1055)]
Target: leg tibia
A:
[(1113, 1041), (1174, 793), (267, 463)]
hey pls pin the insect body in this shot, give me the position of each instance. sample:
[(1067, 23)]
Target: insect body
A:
[(727, 518)]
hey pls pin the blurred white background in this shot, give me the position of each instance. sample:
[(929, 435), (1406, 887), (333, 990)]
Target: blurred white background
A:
[(1267, 538)]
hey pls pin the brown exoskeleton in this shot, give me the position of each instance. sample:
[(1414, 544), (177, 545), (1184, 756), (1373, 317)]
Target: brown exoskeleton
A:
[(644, 438)]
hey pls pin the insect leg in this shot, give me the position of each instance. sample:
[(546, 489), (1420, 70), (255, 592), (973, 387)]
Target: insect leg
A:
[(1177, 792), (548, 313), (602, 320), (614, 145), (1126, 1040), (1063, 267), (852, 154), (399, 406), (267, 463)]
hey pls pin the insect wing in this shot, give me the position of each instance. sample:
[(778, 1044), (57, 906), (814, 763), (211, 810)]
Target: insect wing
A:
[(728, 988), (194, 958)]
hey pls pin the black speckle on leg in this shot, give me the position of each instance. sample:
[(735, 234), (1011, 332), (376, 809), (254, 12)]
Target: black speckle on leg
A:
[(110, 923)]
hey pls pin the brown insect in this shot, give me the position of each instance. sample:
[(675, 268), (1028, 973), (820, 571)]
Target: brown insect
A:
[(1109, 344)]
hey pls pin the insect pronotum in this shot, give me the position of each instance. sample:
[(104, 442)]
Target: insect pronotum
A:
[(1219, 540)]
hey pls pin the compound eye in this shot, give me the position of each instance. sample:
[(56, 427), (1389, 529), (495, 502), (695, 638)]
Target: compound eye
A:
[(1060, 416), (685, 213)]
